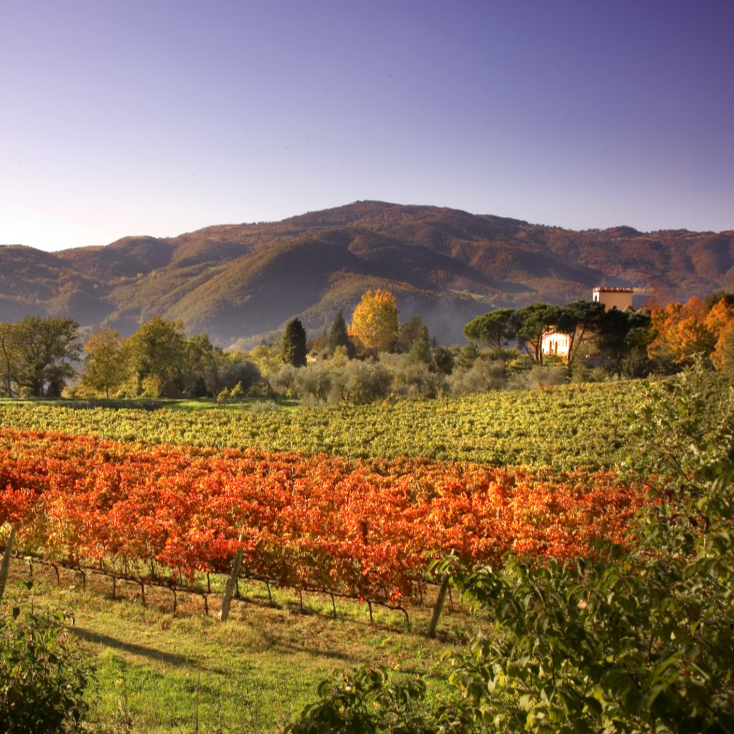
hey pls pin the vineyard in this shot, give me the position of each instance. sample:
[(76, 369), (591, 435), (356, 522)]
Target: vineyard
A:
[(565, 427), (170, 515), (138, 516)]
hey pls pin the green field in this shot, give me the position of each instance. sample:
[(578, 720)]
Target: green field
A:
[(563, 427)]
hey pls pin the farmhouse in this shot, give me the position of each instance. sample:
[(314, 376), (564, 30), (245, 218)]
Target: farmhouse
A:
[(558, 344)]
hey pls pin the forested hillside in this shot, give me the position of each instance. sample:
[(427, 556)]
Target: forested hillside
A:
[(242, 282)]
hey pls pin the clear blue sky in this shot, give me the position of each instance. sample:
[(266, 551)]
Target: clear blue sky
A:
[(164, 116)]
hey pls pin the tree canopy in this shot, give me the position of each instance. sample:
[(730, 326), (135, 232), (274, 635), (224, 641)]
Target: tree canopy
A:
[(156, 354), (493, 328), (531, 323), (375, 320), (579, 320), (37, 355), (104, 361)]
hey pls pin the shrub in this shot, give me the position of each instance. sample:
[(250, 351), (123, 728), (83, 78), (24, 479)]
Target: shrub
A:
[(284, 381), (538, 376), (361, 383), (42, 675), (482, 376), (238, 371), (313, 383), (417, 381)]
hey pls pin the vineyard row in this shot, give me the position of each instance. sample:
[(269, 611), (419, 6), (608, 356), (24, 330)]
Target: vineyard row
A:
[(570, 426), (358, 528)]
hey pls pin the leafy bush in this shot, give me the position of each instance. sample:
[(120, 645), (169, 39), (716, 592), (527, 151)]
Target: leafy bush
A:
[(362, 383), (537, 376), (313, 383), (413, 379), (237, 371), (42, 675), (639, 641), (482, 376), (372, 700), (283, 382)]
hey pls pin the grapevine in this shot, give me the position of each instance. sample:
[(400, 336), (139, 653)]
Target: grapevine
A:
[(358, 528)]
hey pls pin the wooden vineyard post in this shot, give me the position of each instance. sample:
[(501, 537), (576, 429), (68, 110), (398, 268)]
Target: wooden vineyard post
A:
[(439, 605), (231, 584), (6, 561)]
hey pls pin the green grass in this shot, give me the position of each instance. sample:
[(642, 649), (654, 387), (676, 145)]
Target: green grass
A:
[(156, 673)]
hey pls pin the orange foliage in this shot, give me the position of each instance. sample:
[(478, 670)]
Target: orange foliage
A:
[(720, 321), (358, 528), (685, 330)]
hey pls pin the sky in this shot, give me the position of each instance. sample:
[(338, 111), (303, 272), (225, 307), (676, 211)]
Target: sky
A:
[(166, 116)]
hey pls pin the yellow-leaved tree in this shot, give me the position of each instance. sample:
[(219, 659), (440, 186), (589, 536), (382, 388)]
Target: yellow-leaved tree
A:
[(693, 328), (375, 320), (721, 321)]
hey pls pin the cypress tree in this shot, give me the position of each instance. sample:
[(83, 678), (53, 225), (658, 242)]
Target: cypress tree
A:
[(294, 344), (420, 352), (338, 334)]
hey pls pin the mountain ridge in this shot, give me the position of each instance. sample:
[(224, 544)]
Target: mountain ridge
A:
[(241, 283)]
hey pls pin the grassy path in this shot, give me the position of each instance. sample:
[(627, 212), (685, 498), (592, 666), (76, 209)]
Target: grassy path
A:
[(156, 673)]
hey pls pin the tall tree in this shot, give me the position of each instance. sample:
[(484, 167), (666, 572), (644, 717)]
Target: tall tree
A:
[(375, 320), (492, 328), (622, 331), (531, 323), (8, 356), (579, 320), (720, 321), (266, 358), (682, 330), (44, 353), (339, 335), (720, 317), (420, 353), (444, 360), (157, 353), (104, 362), (410, 332), (294, 344), (201, 362)]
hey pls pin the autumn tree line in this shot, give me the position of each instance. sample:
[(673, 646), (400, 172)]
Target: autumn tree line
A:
[(374, 357)]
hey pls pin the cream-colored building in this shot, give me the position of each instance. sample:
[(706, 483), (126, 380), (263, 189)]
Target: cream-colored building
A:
[(556, 343), (619, 298)]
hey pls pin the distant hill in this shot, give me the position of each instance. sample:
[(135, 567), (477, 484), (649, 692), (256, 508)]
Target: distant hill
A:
[(240, 283)]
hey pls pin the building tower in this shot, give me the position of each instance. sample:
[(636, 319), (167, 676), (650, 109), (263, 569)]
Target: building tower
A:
[(619, 298)]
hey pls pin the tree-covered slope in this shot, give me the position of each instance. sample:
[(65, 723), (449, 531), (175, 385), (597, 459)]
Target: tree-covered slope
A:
[(241, 281)]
